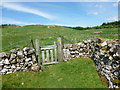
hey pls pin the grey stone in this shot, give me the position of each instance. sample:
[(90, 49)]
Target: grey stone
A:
[(104, 43), (72, 53), (18, 64), (13, 61), (7, 66), (1, 63), (118, 54), (28, 59), (4, 55), (79, 44), (25, 48), (9, 72), (110, 57), (18, 68), (4, 70), (6, 61), (35, 67), (14, 50), (13, 67), (31, 62), (31, 51), (21, 63), (20, 53), (25, 53), (13, 56), (34, 58)]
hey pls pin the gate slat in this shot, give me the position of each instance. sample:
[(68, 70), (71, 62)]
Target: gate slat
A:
[(51, 54), (43, 56), (55, 62), (47, 55)]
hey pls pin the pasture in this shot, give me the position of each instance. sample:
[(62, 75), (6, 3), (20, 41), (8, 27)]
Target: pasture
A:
[(76, 73), (13, 37)]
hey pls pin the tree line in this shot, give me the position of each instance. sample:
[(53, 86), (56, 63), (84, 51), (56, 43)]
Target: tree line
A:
[(8, 25), (115, 24)]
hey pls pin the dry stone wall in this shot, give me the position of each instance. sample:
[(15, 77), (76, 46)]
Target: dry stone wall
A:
[(17, 60), (104, 53)]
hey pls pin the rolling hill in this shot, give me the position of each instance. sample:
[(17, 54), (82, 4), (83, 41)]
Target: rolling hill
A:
[(13, 37)]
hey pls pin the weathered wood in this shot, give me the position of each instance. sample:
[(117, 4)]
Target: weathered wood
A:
[(51, 55), (43, 56), (38, 51), (47, 55), (60, 52), (49, 63), (55, 51), (33, 47), (48, 47)]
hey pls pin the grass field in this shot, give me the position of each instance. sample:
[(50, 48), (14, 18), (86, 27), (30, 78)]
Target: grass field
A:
[(76, 73), (13, 37)]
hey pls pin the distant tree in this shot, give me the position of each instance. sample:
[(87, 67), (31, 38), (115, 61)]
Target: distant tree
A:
[(103, 24), (87, 27), (78, 28)]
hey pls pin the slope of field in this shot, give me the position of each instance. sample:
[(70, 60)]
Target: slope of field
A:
[(19, 36), (76, 73)]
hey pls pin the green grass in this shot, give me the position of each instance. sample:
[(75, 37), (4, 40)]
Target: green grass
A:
[(76, 73), (13, 37)]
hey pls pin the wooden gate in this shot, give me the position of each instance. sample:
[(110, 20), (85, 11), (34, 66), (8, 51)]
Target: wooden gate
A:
[(49, 54)]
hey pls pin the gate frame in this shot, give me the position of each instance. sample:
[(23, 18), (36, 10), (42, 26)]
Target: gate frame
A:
[(58, 52)]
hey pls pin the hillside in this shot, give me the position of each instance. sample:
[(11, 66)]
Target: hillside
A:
[(13, 37)]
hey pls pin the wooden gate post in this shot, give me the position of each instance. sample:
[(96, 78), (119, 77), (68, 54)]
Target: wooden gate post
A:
[(55, 51), (38, 51), (60, 51)]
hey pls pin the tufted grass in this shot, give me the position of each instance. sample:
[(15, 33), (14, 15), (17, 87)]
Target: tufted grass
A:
[(13, 37), (76, 73)]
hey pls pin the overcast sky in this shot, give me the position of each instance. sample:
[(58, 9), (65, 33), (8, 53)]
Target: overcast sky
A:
[(59, 13)]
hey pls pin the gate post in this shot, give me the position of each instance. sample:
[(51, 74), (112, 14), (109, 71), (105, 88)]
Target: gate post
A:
[(38, 51), (60, 51)]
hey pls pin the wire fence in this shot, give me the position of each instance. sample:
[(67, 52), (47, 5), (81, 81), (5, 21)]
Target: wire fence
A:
[(65, 38), (17, 44), (69, 40)]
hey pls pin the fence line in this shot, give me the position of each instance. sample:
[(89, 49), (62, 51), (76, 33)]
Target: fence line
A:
[(63, 38), (27, 44), (5, 48)]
